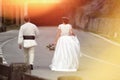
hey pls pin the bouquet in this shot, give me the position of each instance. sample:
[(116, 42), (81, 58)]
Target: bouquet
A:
[(51, 47)]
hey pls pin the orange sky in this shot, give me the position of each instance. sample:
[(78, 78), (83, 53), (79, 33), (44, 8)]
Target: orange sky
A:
[(37, 6)]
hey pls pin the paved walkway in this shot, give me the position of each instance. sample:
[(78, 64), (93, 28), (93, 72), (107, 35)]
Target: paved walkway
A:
[(4, 38), (100, 60)]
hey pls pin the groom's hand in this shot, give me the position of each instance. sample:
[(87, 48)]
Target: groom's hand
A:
[(20, 46)]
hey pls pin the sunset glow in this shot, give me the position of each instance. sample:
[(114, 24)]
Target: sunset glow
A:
[(34, 7), (19, 2), (46, 1), (96, 24), (41, 7)]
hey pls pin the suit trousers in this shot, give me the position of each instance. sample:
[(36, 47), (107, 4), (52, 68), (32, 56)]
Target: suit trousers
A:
[(29, 55)]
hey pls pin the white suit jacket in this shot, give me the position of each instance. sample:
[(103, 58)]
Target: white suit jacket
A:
[(30, 30)]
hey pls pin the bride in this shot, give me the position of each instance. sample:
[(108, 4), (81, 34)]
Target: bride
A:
[(67, 50)]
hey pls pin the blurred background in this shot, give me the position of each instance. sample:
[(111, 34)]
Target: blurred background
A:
[(98, 16)]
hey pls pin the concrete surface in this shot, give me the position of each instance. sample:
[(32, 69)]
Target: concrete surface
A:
[(100, 60)]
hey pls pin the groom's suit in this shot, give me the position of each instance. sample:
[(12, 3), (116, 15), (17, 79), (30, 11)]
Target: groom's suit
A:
[(26, 38)]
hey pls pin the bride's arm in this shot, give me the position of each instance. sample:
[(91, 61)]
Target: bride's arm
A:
[(57, 36), (71, 32)]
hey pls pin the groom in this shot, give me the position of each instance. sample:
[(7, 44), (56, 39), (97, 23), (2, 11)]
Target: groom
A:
[(26, 40)]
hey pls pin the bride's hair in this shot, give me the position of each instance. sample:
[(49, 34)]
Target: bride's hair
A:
[(65, 20)]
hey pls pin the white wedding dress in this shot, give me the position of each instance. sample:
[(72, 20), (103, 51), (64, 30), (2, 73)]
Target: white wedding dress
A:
[(67, 51)]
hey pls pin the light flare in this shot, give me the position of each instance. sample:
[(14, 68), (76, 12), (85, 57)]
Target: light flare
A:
[(34, 7), (45, 1), (41, 7)]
